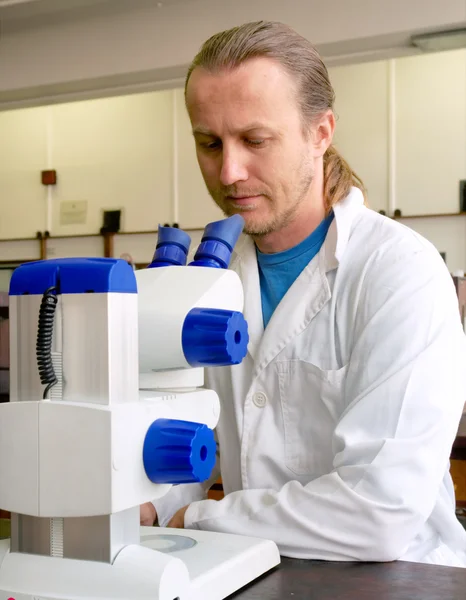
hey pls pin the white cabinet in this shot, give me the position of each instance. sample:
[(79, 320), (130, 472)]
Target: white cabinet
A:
[(23, 155), (430, 132), (113, 153), (361, 134)]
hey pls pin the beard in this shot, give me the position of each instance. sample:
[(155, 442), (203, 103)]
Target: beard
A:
[(283, 202)]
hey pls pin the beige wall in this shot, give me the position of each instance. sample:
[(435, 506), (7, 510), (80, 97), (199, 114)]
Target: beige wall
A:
[(362, 131), (23, 153), (430, 132), (401, 125), (115, 154)]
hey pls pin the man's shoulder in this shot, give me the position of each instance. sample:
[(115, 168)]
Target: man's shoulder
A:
[(385, 257), (384, 241), (388, 264)]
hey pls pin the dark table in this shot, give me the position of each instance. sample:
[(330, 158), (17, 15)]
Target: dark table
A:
[(311, 580)]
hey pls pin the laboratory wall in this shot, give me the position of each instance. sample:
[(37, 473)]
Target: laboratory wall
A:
[(362, 129), (23, 153), (401, 125), (430, 132)]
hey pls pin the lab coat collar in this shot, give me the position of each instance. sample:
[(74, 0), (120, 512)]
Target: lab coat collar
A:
[(244, 262), (307, 295), (339, 232)]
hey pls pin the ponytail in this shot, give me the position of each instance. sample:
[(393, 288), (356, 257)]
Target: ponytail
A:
[(339, 178)]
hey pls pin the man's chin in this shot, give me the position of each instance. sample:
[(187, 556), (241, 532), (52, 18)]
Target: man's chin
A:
[(254, 225)]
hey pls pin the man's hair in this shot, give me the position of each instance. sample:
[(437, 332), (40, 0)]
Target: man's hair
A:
[(267, 39)]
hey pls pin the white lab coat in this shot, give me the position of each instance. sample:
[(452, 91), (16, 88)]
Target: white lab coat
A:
[(336, 429)]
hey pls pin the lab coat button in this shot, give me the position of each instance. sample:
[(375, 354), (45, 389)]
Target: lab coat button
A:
[(259, 399)]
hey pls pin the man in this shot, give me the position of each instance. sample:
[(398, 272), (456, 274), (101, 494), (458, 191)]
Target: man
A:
[(336, 429)]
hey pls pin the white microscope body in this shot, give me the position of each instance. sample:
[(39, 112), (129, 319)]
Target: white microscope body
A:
[(112, 418)]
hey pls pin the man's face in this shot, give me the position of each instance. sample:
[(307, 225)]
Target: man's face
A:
[(251, 146)]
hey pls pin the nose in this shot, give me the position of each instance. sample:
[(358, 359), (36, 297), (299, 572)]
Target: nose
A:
[(234, 167)]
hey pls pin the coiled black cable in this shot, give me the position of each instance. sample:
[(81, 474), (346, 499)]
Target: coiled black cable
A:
[(44, 339)]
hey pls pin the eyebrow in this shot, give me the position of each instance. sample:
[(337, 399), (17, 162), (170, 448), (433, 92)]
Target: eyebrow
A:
[(200, 130)]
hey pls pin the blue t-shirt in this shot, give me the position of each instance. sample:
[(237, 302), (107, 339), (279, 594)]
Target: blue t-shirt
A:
[(278, 271)]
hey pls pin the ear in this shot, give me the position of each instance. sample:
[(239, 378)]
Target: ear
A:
[(323, 133)]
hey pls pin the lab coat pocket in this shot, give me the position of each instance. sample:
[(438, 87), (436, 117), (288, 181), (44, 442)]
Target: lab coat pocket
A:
[(312, 402)]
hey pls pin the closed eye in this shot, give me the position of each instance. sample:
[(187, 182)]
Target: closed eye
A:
[(214, 145), (255, 142)]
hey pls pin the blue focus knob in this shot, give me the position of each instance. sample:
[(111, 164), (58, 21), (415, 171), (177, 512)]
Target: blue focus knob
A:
[(214, 337), (172, 247), (178, 451), (217, 243)]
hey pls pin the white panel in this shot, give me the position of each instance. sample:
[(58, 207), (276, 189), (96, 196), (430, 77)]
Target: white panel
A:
[(75, 246), (101, 367), (75, 460), (19, 446), (19, 250), (165, 296), (196, 208), (361, 133), (137, 572), (23, 156), (114, 153), (430, 132), (122, 347), (448, 234), (130, 423), (96, 453)]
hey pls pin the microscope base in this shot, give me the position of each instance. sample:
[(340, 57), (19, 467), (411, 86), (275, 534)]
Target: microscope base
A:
[(170, 564)]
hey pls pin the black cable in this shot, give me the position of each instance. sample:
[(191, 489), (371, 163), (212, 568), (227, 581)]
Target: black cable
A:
[(44, 339)]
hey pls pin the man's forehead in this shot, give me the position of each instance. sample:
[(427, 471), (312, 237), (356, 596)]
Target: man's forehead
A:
[(254, 77), (247, 126)]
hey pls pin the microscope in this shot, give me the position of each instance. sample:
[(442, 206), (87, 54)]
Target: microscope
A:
[(108, 411)]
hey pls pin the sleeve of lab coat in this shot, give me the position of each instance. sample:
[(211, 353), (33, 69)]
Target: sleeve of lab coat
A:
[(404, 394), (182, 495)]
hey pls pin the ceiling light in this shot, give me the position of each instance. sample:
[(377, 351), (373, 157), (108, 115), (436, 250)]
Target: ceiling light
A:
[(442, 40)]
